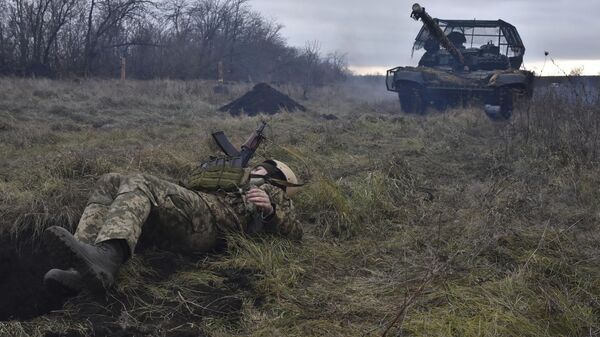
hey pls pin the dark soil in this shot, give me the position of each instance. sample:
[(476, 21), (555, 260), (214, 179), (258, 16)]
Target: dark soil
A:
[(24, 262), (22, 268), (329, 117), (262, 99)]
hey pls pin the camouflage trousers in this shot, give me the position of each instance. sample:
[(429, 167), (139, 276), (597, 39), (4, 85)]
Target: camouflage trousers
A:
[(172, 216)]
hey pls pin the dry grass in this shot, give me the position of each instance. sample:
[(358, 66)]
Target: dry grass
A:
[(506, 213)]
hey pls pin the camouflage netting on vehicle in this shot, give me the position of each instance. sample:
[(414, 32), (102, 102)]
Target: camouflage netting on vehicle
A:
[(439, 77), (262, 99)]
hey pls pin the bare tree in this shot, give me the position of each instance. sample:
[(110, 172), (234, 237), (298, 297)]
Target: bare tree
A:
[(60, 12), (4, 39), (311, 57), (20, 32), (170, 38), (175, 13), (106, 18)]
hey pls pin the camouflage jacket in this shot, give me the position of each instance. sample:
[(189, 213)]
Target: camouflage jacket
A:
[(232, 213)]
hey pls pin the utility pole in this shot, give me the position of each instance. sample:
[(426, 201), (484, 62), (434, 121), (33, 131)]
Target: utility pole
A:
[(221, 72)]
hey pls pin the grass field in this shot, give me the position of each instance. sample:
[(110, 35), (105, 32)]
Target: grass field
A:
[(444, 225)]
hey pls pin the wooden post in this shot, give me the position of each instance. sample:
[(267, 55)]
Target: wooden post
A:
[(221, 76), (123, 65)]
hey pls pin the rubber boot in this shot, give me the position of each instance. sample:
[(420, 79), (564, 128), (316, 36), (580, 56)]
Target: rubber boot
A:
[(97, 264), (63, 282)]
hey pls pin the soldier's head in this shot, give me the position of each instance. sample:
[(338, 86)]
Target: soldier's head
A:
[(279, 171)]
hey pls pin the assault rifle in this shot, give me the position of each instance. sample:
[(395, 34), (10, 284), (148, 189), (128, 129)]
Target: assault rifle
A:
[(229, 172), (242, 157)]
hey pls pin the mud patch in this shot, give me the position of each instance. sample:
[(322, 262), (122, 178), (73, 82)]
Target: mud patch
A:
[(262, 99)]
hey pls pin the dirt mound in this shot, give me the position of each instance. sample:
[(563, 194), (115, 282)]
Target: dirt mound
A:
[(262, 98)]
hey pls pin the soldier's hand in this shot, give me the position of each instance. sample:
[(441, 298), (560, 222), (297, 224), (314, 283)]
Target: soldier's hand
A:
[(261, 199)]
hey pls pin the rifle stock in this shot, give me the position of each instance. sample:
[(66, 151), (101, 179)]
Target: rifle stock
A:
[(243, 157), (225, 145)]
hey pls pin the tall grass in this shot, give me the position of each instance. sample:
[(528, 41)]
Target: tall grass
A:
[(506, 212), (563, 121)]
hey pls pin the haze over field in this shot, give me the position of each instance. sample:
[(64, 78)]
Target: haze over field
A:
[(379, 35)]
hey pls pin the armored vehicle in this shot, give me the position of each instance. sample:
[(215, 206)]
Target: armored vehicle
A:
[(463, 60)]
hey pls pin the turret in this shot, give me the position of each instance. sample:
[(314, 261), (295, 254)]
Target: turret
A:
[(436, 32)]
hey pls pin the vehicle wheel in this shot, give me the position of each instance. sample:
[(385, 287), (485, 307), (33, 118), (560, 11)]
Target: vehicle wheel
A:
[(441, 104), (411, 99), (505, 97)]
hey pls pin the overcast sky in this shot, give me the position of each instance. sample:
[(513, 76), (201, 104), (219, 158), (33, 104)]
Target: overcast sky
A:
[(378, 34)]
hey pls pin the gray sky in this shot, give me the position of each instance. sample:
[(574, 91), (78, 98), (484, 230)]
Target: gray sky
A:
[(378, 34)]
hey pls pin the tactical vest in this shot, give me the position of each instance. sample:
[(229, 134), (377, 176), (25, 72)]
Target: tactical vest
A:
[(226, 174), (218, 174)]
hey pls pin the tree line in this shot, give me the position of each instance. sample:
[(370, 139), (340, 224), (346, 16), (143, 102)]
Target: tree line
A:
[(182, 39)]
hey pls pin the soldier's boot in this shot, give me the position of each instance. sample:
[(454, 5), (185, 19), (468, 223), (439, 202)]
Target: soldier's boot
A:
[(63, 282), (97, 263)]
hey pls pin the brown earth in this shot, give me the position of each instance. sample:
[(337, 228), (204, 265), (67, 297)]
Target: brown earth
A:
[(262, 98)]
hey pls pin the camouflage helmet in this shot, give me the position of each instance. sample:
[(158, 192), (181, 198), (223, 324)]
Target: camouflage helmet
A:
[(288, 174)]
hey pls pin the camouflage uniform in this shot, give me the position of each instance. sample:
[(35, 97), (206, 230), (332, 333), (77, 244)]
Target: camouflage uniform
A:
[(176, 218)]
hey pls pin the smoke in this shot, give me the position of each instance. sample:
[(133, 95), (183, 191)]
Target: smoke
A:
[(369, 89)]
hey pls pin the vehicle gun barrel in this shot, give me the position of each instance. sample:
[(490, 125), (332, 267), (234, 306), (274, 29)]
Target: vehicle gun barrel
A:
[(418, 12)]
